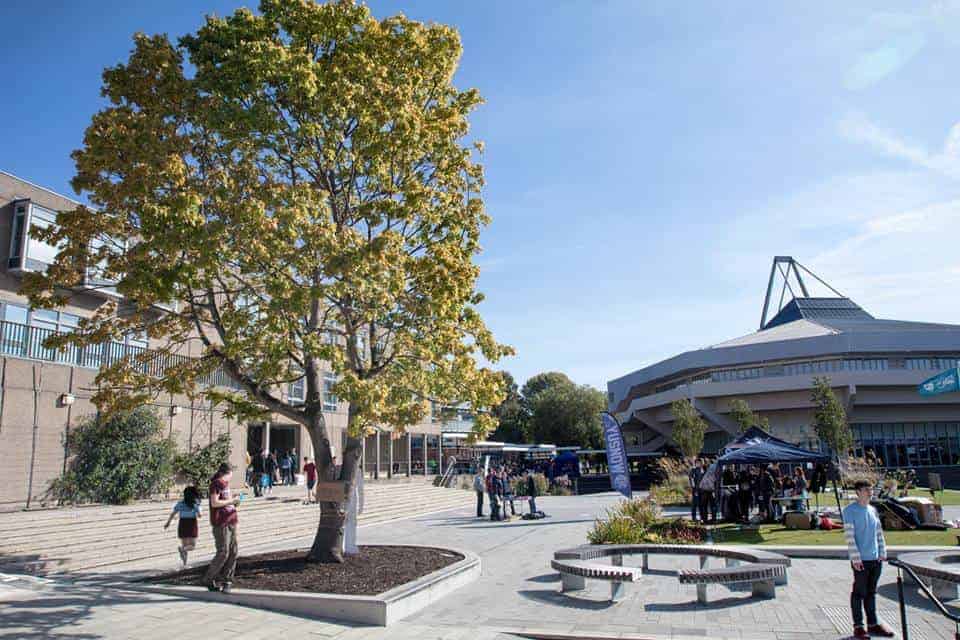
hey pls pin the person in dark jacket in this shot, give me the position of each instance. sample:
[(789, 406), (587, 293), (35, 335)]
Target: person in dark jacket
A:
[(532, 491), (493, 492), (257, 476), (270, 470)]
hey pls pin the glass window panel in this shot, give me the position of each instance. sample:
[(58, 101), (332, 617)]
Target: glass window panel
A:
[(14, 313), (41, 218), (329, 398)]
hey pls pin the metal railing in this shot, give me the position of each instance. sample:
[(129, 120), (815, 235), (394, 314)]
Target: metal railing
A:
[(26, 341), (904, 632), (448, 473)]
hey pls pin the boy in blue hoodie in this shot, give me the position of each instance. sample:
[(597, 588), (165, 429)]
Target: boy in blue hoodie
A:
[(867, 550)]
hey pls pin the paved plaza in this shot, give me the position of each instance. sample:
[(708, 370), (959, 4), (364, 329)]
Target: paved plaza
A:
[(517, 593)]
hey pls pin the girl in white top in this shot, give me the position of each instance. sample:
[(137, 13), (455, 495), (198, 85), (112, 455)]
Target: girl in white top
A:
[(187, 530)]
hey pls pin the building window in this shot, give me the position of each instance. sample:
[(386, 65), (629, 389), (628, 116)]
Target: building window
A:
[(330, 399), (297, 390), (26, 252)]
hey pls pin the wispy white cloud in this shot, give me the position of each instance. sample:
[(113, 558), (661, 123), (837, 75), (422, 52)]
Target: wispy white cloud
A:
[(859, 128)]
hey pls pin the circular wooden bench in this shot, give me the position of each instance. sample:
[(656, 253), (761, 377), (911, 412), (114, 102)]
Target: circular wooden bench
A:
[(941, 570), (763, 569)]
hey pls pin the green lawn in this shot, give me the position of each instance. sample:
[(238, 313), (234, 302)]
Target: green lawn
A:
[(948, 498), (775, 534)]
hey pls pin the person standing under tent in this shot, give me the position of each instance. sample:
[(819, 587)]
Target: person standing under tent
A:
[(695, 475)]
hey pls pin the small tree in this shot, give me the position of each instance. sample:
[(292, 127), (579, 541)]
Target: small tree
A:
[(829, 418), (116, 459), (744, 416), (689, 428)]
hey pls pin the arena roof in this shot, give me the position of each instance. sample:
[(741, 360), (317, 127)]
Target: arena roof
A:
[(820, 330)]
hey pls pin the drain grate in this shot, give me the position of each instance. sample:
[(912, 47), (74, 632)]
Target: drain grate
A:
[(840, 617)]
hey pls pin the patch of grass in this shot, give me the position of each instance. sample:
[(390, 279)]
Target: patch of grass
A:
[(775, 534), (948, 498)]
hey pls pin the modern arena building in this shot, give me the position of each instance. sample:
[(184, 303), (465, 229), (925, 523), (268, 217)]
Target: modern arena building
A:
[(874, 366)]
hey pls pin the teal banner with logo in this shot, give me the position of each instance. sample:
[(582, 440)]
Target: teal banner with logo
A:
[(944, 382)]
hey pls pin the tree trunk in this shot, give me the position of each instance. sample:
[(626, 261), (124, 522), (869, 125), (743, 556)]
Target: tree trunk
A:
[(328, 542)]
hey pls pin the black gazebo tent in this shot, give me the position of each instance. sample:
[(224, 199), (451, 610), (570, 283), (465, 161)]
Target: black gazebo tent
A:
[(756, 446)]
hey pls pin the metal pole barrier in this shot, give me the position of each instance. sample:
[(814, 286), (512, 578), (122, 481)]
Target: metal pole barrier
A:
[(903, 607)]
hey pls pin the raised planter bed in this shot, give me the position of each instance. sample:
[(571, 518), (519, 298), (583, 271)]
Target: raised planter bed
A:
[(369, 589)]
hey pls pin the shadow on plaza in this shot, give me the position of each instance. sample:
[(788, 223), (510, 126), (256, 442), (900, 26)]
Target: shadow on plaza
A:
[(566, 601), (57, 610), (465, 523), (913, 597)]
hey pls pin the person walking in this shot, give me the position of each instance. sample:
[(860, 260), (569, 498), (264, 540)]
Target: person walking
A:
[(187, 530), (492, 490), (478, 487), (867, 550), (256, 474), (285, 464), (310, 471), (766, 494), (270, 471), (223, 519), (707, 487), (694, 476)]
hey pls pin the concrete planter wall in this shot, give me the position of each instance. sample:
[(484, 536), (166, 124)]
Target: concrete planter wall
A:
[(382, 609)]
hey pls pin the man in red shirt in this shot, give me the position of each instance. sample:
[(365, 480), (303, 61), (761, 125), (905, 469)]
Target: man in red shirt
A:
[(223, 518), (310, 469)]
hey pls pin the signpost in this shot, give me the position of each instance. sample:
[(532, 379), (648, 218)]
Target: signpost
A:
[(616, 456), (944, 382)]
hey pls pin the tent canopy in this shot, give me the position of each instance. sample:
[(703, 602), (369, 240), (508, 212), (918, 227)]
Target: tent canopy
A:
[(759, 447)]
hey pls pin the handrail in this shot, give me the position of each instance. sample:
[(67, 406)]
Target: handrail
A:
[(923, 587), (448, 472)]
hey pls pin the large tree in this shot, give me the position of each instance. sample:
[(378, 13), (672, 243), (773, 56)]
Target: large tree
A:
[(294, 187), (567, 414), (510, 413)]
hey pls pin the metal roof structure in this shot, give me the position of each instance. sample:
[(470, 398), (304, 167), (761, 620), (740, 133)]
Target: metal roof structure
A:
[(801, 328)]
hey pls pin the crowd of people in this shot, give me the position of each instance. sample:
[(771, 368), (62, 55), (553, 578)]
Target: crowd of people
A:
[(769, 491), (498, 485), (268, 469)]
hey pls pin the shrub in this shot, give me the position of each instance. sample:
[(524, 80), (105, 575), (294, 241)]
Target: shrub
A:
[(198, 465), (853, 470), (638, 521), (116, 459), (519, 485), (675, 490), (561, 486)]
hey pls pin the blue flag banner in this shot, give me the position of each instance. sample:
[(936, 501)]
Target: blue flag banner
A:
[(616, 456), (944, 382)]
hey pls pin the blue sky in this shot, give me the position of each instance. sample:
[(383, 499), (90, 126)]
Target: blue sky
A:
[(645, 160)]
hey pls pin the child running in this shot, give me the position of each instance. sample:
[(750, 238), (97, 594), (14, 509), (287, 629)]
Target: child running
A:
[(187, 530)]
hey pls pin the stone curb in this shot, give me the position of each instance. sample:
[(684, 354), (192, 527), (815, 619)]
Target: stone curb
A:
[(382, 609)]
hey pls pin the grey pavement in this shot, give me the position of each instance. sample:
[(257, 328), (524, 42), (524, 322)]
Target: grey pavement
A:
[(516, 593)]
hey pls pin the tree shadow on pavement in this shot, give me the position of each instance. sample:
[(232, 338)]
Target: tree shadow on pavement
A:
[(914, 597), (52, 612), (565, 600), (519, 523)]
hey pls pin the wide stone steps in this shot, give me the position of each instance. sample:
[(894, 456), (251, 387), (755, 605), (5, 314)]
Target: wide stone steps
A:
[(96, 540), (30, 525)]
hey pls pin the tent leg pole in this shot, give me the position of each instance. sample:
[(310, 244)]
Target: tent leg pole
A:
[(836, 494)]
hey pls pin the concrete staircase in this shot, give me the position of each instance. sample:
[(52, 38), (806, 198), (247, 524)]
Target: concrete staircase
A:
[(104, 539)]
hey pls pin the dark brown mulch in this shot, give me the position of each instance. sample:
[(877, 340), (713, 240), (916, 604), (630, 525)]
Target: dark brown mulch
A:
[(375, 570)]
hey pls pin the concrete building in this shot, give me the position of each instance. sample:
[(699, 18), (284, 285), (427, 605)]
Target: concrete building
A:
[(874, 366), (43, 394)]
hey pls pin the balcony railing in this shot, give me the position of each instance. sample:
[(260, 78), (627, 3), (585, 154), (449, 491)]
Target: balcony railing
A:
[(25, 341)]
